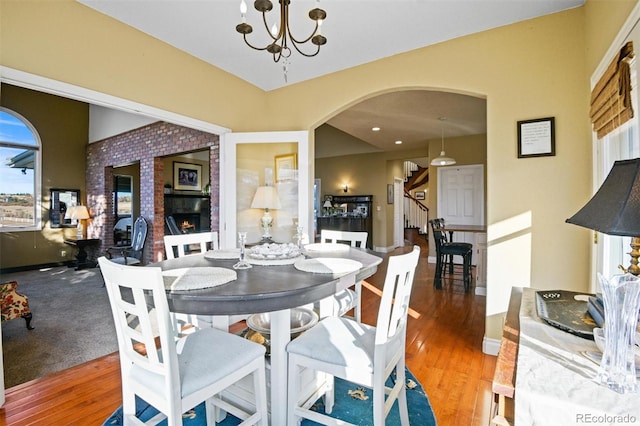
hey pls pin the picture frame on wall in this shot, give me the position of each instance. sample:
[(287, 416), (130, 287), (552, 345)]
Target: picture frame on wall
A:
[(60, 201), (389, 193), (286, 167), (187, 176), (536, 138), (420, 195)]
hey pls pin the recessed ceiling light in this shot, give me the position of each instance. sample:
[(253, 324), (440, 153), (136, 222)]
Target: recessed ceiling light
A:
[(375, 129), (398, 142)]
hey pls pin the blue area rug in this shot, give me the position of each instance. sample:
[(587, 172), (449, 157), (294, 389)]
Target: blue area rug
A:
[(346, 408)]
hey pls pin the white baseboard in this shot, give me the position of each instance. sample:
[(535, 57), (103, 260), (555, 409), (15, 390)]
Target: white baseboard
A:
[(490, 346), (384, 249), (481, 291)]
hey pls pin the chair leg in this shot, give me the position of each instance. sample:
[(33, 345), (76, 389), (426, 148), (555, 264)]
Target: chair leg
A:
[(402, 395), (378, 402), (467, 271), (259, 387), (292, 394), (329, 395), (28, 317), (437, 281), (358, 307), (128, 406)]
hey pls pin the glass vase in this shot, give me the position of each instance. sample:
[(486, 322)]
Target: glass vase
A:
[(621, 296)]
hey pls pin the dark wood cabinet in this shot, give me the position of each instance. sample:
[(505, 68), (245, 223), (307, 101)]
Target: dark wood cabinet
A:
[(356, 218)]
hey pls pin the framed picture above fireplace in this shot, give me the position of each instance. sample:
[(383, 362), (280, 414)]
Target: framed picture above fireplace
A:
[(187, 177)]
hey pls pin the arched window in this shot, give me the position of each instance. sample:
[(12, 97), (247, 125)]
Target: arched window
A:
[(20, 174)]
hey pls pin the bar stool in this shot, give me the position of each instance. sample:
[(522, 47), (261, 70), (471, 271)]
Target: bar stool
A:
[(446, 250)]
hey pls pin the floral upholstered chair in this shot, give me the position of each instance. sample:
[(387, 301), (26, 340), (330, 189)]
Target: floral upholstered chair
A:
[(13, 304)]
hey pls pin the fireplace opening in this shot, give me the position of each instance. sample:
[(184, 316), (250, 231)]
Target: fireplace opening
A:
[(188, 222)]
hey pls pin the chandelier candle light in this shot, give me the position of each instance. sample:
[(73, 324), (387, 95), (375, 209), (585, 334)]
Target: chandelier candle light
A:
[(281, 35)]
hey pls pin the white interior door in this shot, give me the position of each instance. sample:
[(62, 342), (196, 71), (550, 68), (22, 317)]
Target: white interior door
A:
[(461, 198), (237, 184)]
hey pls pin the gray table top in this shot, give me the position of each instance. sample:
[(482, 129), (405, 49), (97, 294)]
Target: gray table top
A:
[(261, 288)]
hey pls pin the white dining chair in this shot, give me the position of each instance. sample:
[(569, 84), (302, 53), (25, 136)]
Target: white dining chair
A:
[(197, 243), (346, 300), (183, 372), (356, 352)]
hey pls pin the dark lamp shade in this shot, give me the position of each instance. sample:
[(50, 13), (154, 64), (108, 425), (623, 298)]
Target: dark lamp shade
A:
[(615, 208)]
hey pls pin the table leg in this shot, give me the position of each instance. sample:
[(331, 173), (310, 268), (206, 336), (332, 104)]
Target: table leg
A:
[(280, 336)]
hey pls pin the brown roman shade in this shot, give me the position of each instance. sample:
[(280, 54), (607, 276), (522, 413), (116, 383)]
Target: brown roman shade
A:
[(611, 96)]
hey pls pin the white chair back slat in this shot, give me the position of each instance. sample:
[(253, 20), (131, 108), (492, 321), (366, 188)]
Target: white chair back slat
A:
[(340, 347), (197, 243), (141, 315), (354, 238), (394, 306), (140, 321)]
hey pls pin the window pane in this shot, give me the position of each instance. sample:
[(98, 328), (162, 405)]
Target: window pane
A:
[(14, 131), (17, 183)]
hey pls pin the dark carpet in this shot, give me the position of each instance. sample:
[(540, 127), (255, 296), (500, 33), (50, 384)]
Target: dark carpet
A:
[(346, 408), (72, 319)]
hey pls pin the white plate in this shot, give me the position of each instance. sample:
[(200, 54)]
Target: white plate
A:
[(328, 265), (326, 247)]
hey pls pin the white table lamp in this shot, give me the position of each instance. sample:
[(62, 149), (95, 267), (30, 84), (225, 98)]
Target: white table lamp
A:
[(81, 214), (266, 198)]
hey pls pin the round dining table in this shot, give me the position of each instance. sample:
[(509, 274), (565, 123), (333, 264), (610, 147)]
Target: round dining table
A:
[(268, 288)]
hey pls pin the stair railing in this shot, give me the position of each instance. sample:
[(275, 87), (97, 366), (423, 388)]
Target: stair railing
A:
[(416, 214)]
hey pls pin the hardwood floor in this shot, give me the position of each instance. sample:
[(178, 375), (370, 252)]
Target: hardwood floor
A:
[(444, 342)]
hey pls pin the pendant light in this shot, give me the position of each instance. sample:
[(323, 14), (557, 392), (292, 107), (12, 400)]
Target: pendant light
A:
[(443, 160)]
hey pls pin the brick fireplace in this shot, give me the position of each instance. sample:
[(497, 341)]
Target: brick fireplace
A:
[(146, 146)]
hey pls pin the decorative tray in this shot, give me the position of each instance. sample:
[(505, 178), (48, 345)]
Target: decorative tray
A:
[(273, 251), (566, 310)]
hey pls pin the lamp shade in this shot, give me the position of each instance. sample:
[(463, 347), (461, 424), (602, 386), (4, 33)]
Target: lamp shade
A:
[(443, 160), (77, 212), (266, 197), (615, 208), (327, 203)]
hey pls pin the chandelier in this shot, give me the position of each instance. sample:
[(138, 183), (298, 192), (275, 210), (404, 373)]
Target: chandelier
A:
[(281, 35)]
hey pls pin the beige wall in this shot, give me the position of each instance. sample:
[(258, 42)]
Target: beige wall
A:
[(63, 127), (532, 69), (70, 42)]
